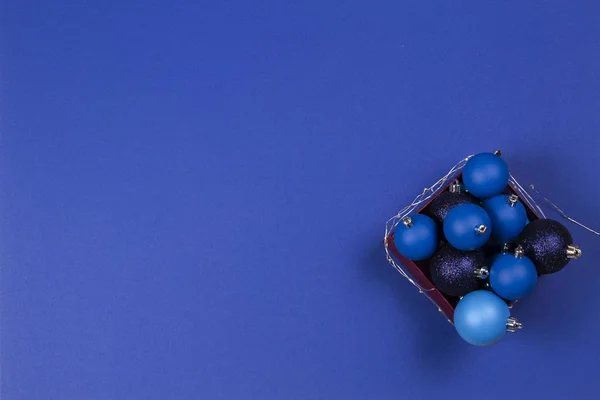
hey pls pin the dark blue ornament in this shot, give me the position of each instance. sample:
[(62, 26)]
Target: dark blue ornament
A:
[(548, 244), (416, 237), (481, 318), (485, 175), (467, 227), (455, 272), (490, 260), (513, 276), (442, 204), (508, 216)]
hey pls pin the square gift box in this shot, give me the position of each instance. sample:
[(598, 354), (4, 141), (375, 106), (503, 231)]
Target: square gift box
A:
[(417, 272)]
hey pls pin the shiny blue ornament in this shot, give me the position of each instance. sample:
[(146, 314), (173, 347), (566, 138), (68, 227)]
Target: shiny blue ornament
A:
[(467, 227), (508, 216), (513, 276), (416, 237), (481, 318), (485, 175)]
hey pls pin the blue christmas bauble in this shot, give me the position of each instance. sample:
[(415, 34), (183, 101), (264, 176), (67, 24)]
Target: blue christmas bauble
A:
[(416, 237), (508, 216), (512, 276), (442, 204), (485, 175), (480, 318), (467, 227)]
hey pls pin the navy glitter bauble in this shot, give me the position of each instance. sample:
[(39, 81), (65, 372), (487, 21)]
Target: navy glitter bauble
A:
[(453, 271), (439, 207), (548, 244)]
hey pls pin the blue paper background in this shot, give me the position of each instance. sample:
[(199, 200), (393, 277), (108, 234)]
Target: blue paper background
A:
[(194, 194)]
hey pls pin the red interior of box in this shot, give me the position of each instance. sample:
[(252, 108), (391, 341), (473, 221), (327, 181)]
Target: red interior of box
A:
[(419, 270)]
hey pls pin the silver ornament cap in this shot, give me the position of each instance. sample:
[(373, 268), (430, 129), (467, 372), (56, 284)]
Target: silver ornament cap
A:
[(456, 187), (512, 324), (481, 229), (512, 200), (519, 252), (573, 252), (482, 273)]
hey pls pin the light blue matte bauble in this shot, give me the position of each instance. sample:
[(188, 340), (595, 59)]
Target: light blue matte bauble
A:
[(416, 237), (467, 227), (513, 277), (508, 216), (485, 175), (480, 318)]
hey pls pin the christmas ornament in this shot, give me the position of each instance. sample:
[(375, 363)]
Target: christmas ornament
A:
[(493, 251), (485, 175), (513, 276), (439, 207), (481, 318), (416, 237), (455, 272), (467, 226), (508, 216), (548, 244)]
